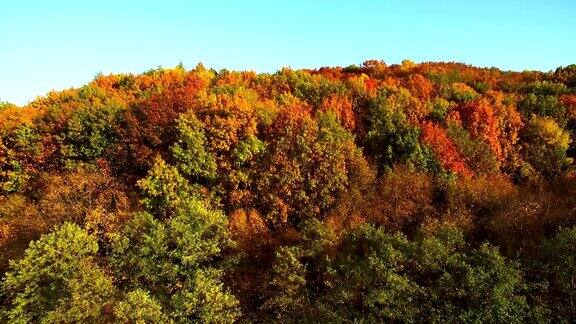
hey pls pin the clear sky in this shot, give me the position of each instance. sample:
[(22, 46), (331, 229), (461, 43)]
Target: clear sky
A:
[(55, 44)]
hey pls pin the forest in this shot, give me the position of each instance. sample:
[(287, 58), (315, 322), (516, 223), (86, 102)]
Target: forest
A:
[(412, 192)]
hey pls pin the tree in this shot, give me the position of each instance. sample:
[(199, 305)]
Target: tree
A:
[(365, 281), (461, 92), (148, 126), (288, 297), (305, 168), (58, 279), (438, 278), (476, 153), (448, 155), (190, 150), (20, 152), (91, 199), (163, 188), (390, 138), (177, 261), (479, 118), (139, 307), (545, 146), (342, 107), (88, 133), (559, 265), (566, 75), (543, 105)]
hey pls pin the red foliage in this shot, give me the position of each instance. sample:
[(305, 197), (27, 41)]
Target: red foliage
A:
[(149, 123), (569, 101), (479, 118), (342, 107), (436, 138), (419, 86)]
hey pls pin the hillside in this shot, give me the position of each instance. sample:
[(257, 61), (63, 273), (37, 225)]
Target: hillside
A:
[(409, 192)]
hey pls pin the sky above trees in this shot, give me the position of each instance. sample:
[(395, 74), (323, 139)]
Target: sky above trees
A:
[(48, 45)]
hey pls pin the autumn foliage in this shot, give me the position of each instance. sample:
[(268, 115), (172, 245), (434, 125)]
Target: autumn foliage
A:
[(410, 192)]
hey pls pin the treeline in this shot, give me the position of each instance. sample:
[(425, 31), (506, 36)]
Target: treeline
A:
[(403, 193)]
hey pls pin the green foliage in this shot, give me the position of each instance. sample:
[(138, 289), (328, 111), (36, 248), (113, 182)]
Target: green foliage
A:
[(481, 87), (295, 281), (476, 153), (205, 301), (460, 92), (176, 259), (290, 157), (58, 280), (312, 88), (543, 105), (24, 139), (559, 263), (6, 105), (164, 188), (566, 75), (545, 88), (440, 108), (20, 147), (390, 138), (190, 151), (247, 149), (545, 146), (12, 177), (334, 150), (288, 291), (382, 277), (307, 169), (139, 307), (88, 133)]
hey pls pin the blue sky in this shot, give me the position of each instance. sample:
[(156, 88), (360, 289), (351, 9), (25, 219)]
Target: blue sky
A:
[(48, 45)]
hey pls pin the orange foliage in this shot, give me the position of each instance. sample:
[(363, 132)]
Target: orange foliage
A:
[(227, 118), (371, 85), (569, 101), (342, 107), (149, 123), (436, 138), (15, 116), (402, 200), (479, 118), (248, 229), (419, 86), (510, 122), (392, 82), (70, 196), (245, 78)]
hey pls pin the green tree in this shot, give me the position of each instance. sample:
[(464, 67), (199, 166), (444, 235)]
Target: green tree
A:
[(545, 146), (559, 267), (88, 133), (177, 259), (390, 139), (247, 149), (139, 307), (288, 285), (439, 278), (190, 150), (543, 105), (366, 280), (19, 149), (306, 167), (164, 188), (476, 153), (6, 105), (58, 280), (566, 75)]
